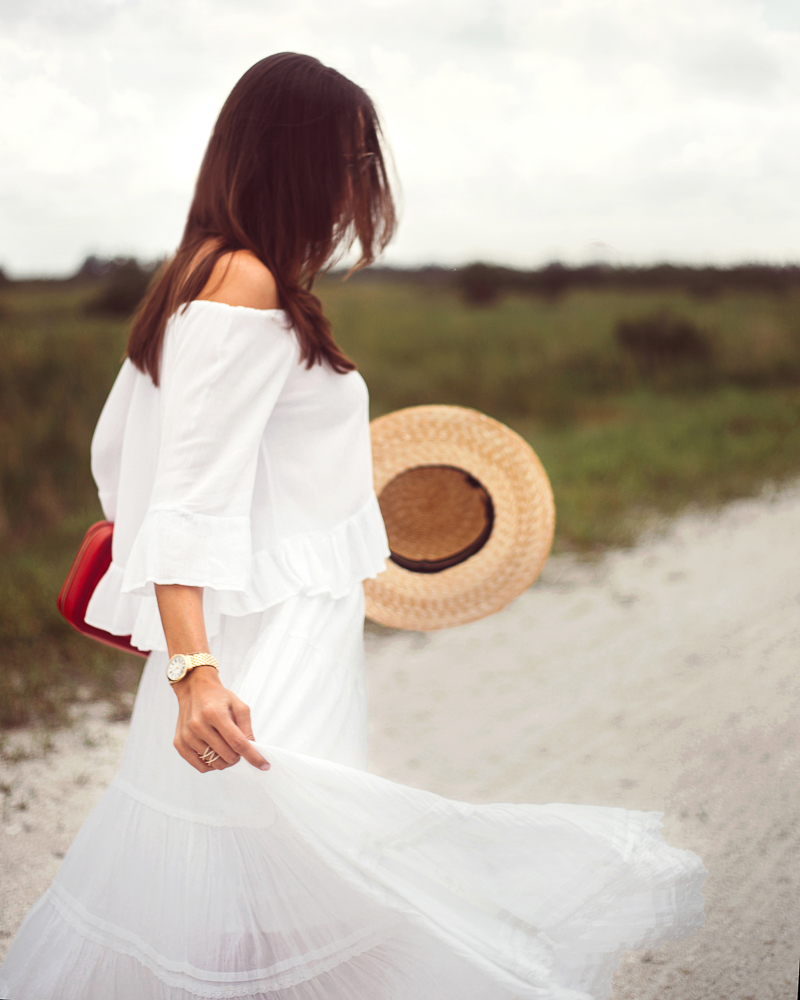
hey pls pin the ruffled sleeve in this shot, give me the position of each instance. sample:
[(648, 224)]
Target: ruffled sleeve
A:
[(221, 377)]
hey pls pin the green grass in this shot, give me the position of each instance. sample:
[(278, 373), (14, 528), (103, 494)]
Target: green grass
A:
[(622, 448), (547, 360), (648, 457), (56, 368)]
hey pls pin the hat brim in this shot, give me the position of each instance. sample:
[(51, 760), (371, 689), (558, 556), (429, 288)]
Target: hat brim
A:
[(524, 516)]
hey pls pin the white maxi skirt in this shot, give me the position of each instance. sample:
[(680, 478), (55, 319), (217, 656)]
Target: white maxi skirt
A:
[(318, 881)]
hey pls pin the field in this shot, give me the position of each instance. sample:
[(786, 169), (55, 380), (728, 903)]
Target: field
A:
[(639, 402)]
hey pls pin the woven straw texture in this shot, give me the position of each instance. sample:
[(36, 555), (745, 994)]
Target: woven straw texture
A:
[(524, 516)]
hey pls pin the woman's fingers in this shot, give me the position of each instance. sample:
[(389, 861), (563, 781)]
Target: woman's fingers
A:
[(208, 721), (212, 737), (241, 716), (194, 749), (237, 738), (189, 754), (215, 759)]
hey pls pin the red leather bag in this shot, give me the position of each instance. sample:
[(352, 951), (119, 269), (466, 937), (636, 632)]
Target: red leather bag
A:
[(88, 567)]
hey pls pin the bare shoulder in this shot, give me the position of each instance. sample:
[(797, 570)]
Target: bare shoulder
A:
[(240, 279)]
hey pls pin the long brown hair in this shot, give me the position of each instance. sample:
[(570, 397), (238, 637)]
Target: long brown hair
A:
[(294, 173)]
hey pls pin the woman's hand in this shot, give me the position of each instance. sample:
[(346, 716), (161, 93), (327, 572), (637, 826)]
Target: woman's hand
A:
[(208, 714), (211, 716)]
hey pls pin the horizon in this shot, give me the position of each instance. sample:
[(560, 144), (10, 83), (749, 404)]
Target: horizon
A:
[(615, 266)]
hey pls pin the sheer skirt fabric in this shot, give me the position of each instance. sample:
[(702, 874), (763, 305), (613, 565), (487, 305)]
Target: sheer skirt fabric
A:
[(319, 880)]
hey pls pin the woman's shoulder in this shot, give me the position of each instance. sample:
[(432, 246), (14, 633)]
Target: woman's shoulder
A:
[(239, 278)]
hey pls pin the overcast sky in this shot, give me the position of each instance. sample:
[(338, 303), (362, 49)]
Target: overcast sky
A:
[(523, 131)]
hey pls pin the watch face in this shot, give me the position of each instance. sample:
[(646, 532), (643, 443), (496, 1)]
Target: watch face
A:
[(176, 667)]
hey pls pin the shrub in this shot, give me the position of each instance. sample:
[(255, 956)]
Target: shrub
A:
[(123, 288), (480, 284), (662, 341)]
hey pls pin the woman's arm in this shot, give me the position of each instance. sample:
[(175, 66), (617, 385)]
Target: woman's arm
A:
[(208, 714)]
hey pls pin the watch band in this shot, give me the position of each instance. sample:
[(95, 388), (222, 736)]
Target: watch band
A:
[(201, 660)]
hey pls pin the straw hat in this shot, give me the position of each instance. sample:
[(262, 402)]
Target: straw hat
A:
[(469, 514)]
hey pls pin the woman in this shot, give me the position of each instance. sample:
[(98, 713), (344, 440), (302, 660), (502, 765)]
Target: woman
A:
[(233, 456)]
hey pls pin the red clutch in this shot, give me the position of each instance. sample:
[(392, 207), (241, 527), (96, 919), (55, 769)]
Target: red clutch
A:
[(88, 567)]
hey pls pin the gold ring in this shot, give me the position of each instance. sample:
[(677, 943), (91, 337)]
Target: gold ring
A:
[(208, 756)]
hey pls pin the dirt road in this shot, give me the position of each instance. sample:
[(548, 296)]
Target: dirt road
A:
[(664, 677)]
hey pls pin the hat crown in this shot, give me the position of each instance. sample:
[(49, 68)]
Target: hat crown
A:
[(436, 516)]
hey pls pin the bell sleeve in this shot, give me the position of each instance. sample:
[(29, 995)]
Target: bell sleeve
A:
[(221, 379)]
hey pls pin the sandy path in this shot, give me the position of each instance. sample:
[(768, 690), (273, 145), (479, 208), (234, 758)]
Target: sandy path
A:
[(44, 798), (659, 678)]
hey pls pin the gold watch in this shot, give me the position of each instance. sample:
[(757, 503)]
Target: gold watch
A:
[(181, 663)]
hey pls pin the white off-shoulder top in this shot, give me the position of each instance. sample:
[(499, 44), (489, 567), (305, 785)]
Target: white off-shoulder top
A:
[(244, 473)]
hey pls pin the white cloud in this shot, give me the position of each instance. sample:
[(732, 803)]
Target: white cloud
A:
[(522, 130)]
